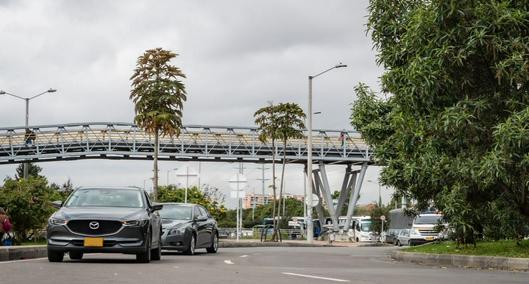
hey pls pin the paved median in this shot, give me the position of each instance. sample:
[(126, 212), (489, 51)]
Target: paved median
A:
[(468, 261)]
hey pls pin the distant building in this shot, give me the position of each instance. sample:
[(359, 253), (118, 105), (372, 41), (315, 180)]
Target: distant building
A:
[(259, 199)]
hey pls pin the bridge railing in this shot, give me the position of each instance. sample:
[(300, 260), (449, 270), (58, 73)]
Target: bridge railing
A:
[(104, 138)]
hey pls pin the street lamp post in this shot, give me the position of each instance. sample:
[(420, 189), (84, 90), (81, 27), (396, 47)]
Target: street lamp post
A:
[(310, 225), (27, 114)]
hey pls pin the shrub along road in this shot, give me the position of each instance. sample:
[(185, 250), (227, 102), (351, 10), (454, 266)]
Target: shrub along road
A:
[(250, 265)]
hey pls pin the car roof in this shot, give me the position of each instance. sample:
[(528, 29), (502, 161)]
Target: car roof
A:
[(178, 203), (111, 188)]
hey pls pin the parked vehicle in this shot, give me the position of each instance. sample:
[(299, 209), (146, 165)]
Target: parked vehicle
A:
[(403, 238), (421, 228), (360, 230), (187, 227), (106, 220)]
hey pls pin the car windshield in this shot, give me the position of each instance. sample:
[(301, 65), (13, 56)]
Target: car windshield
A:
[(365, 226), (427, 219), (176, 212), (105, 197)]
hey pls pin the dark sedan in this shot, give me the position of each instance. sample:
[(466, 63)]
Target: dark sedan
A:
[(107, 220), (187, 227)]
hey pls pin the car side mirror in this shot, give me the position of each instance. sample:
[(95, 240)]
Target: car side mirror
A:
[(156, 207), (201, 219), (57, 204)]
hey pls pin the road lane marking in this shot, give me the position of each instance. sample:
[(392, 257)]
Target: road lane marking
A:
[(244, 255), (21, 260), (227, 261), (316, 277)]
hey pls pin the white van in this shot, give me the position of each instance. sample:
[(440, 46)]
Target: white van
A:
[(361, 229)]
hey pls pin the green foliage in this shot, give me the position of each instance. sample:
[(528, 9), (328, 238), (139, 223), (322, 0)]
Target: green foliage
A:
[(209, 197), (293, 208), (158, 95), (28, 202), (454, 128), (375, 216), (279, 122), (62, 192), (33, 171), (506, 248)]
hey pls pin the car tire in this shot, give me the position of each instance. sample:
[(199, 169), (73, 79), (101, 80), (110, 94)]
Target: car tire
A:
[(156, 254), (55, 256), (190, 250), (214, 244), (145, 257), (76, 255)]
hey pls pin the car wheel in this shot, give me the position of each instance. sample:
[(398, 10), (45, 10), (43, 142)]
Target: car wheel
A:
[(214, 244), (191, 246), (145, 257), (77, 255), (156, 254), (55, 256)]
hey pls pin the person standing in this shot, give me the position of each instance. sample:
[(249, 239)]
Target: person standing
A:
[(5, 224)]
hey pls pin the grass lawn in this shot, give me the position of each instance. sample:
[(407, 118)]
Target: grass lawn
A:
[(506, 248)]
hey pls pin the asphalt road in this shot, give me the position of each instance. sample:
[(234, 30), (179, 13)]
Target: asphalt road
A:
[(250, 265)]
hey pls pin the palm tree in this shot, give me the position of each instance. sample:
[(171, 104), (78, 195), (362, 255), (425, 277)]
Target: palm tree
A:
[(290, 125), (266, 120), (158, 95)]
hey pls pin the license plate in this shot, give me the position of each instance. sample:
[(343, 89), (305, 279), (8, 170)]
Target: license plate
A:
[(93, 242), (429, 238)]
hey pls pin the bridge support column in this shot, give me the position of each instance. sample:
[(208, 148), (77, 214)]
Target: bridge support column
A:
[(327, 195), (357, 181)]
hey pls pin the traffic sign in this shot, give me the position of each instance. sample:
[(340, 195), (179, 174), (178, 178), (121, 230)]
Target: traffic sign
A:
[(315, 200)]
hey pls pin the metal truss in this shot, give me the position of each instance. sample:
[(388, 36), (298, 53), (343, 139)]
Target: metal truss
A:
[(111, 140)]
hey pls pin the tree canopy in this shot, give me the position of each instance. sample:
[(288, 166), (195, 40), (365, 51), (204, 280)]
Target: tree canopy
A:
[(453, 130), (158, 95)]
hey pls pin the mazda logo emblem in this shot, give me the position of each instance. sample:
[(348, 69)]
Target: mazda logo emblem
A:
[(94, 225)]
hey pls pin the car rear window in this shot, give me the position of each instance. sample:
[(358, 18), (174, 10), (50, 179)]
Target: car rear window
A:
[(175, 212), (105, 197)]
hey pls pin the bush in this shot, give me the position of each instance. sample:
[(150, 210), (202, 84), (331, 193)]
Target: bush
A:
[(28, 204)]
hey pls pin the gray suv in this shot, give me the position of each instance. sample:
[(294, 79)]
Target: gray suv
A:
[(105, 220)]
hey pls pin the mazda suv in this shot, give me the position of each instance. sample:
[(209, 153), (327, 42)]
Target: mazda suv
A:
[(105, 220)]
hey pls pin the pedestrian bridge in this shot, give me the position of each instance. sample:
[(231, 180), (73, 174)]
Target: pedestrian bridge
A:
[(113, 140)]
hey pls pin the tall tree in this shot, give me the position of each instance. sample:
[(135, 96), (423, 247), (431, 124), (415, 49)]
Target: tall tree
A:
[(290, 125), (267, 121), (33, 171), (454, 128), (158, 95)]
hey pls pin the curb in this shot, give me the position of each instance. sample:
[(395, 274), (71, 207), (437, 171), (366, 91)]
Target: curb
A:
[(466, 261), (28, 252), (22, 252)]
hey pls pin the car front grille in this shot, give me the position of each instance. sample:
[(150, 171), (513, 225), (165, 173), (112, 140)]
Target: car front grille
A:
[(104, 227), (428, 232)]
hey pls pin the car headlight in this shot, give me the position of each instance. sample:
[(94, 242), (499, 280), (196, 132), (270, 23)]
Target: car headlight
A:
[(177, 231), (134, 223), (57, 221)]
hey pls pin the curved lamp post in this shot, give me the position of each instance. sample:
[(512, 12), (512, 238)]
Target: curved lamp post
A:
[(27, 113), (310, 225)]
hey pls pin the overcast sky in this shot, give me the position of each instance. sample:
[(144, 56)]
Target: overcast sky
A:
[(237, 55)]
